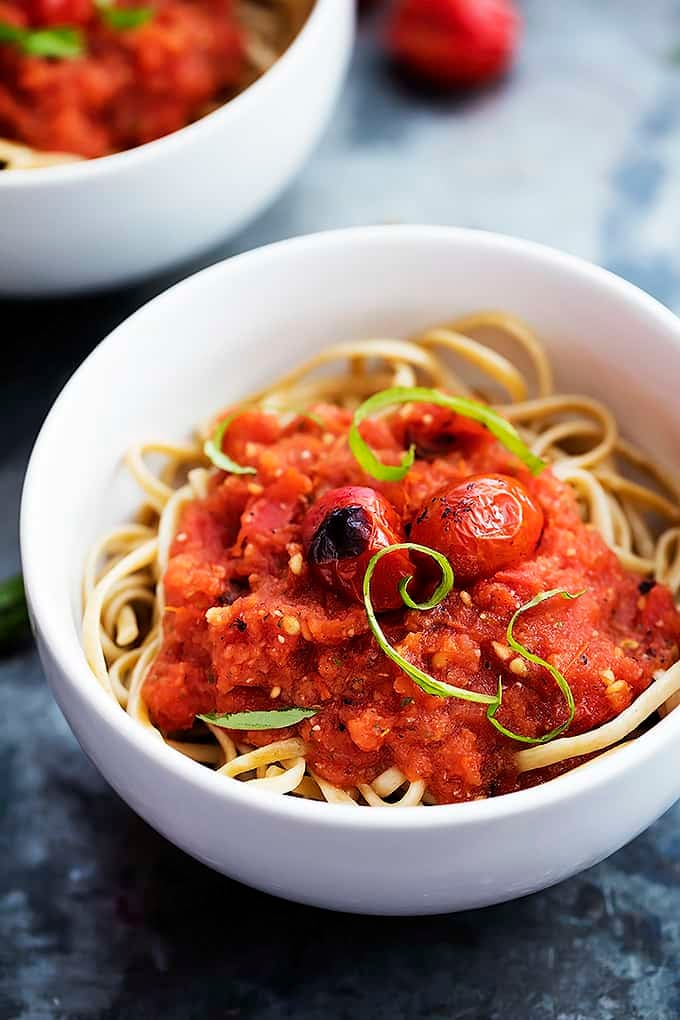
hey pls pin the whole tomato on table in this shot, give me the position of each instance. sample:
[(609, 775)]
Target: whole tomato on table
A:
[(453, 42)]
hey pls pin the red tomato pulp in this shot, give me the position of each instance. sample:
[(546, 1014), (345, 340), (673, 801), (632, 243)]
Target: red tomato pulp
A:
[(249, 626)]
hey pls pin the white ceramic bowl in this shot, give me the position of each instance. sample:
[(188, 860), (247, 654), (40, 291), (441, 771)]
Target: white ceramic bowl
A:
[(104, 222), (225, 331)]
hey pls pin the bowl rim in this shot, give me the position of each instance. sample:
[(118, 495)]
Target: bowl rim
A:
[(67, 173), (68, 654)]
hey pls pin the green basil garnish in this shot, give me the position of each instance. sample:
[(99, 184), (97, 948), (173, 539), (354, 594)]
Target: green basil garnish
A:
[(278, 719), (213, 448), (61, 43), (504, 432), (213, 444), (530, 657), (123, 18), (427, 683)]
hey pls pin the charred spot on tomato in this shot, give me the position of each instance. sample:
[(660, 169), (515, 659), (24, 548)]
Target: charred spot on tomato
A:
[(342, 534), (429, 447), (438, 432), (456, 512), (234, 590), (240, 624), (646, 586), (342, 531)]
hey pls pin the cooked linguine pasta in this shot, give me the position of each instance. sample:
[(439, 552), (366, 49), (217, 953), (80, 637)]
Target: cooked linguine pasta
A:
[(631, 500)]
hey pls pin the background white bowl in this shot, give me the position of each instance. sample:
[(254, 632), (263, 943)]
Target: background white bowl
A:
[(200, 346), (107, 221)]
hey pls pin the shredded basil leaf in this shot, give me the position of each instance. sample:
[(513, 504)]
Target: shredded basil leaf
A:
[(423, 680), (61, 43), (530, 657), (504, 432), (213, 445), (123, 18), (275, 720), (213, 448)]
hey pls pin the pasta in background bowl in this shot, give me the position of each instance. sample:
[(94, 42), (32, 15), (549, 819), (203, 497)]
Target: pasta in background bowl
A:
[(91, 79), (394, 859), (73, 224)]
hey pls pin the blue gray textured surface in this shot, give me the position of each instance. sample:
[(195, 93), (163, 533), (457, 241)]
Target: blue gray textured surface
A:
[(99, 916)]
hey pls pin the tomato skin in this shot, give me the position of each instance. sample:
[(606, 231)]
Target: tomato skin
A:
[(60, 12), (450, 43), (342, 532), (484, 524), (437, 431)]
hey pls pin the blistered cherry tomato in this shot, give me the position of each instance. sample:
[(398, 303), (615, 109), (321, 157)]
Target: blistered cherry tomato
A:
[(482, 525), (436, 431), (60, 12), (342, 531)]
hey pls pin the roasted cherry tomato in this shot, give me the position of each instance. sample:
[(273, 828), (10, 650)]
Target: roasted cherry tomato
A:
[(482, 525), (60, 12), (436, 431), (342, 531)]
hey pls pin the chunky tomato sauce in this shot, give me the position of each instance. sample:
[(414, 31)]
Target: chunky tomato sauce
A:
[(250, 625), (128, 86)]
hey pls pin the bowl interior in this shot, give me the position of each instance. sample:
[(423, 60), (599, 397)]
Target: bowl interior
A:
[(231, 328)]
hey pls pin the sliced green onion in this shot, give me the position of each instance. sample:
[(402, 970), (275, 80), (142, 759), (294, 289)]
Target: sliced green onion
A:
[(213, 447), (123, 18), (504, 432), (530, 657), (278, 719), (61, 42), (423, 680)]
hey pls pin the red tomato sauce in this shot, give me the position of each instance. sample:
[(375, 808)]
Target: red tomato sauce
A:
[(129, 86), (247, 625)]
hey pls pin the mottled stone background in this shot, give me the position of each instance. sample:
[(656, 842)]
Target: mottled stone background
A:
[(99, 916)]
